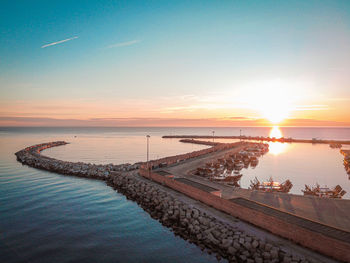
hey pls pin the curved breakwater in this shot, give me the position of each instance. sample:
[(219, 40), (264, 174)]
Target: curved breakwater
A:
[(185, 219), (31, 156)]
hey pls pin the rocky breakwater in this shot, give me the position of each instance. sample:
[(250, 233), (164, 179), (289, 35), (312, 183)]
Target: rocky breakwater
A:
[(185, 219), (32, 156), (200, 142), (197, 226)]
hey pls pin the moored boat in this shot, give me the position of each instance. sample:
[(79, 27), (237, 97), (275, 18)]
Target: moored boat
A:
[(336, 192), (271, 185)]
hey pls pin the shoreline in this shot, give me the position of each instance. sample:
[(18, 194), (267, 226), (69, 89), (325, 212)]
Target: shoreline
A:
[(187, 221)]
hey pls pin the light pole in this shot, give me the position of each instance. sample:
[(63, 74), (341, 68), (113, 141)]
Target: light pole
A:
[(147, 136), (213, 135), (240, 135)]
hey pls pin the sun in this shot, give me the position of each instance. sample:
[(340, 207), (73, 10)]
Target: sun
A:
[(272, 100), (275, 104), (275, 111)]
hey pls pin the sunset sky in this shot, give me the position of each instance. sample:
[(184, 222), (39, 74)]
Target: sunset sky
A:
[(174, 63)]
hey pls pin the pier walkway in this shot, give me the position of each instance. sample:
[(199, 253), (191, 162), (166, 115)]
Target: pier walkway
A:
[(296, 220), (332, 212), (317, 223)]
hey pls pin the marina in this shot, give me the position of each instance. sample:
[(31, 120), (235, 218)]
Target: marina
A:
[(227, 169), (298, 205), (287, 163), (200, 191)]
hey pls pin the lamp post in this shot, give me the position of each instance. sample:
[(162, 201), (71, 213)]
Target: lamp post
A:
[(147, 136), (213, 135), (240, 135)]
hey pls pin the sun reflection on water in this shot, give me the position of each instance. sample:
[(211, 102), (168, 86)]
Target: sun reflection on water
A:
[(275, 132), (276, 147)]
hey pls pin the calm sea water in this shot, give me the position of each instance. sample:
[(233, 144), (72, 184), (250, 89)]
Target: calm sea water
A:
[(45, 217)]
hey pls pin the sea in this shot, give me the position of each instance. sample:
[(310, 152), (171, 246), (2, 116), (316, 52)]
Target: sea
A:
[(47, 217)]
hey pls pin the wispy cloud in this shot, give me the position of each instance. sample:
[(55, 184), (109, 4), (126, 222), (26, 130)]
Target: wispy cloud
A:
[(124, 44), (311, 107), (339, 99), (58, 42)]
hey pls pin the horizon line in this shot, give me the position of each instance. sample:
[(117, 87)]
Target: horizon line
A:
[(78, 126)]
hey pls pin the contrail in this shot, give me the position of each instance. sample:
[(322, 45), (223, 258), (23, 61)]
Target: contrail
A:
[(124, 44), (58, 42)]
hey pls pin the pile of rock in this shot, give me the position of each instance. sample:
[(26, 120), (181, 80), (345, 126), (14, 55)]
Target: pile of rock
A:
[(198, 227), (31, 156)]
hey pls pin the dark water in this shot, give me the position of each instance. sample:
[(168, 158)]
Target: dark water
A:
[(45, 217)]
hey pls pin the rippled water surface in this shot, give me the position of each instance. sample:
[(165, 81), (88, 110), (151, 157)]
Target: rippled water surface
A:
[(45, 217)]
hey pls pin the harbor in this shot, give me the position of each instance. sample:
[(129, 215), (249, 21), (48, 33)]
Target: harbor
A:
[(169, 170), (278, 165)]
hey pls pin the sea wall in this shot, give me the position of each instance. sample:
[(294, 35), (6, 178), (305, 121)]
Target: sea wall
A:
[(307, 238), (31, 156), (256, 138), (198, 227), (193, 141), (182, 157)]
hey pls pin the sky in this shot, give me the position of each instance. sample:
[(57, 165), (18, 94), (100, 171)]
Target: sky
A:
[(174, 63)]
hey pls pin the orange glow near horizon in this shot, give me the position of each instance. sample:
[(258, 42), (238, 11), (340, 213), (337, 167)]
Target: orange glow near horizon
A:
[(254, 108)]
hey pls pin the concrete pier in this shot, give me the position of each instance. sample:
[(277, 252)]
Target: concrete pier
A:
[(320, 224)]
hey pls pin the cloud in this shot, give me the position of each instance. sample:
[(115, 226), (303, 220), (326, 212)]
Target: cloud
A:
[(311, 107), (58, 42), (124, 44), (339, 99), (240, 118)]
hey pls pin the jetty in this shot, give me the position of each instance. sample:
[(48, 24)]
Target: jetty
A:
[(207, 213), (258, 138)]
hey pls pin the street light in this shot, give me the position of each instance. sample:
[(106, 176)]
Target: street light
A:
[(147, 136), (213, 135)]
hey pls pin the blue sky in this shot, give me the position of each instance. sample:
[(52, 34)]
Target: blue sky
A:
[(177, 53)]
